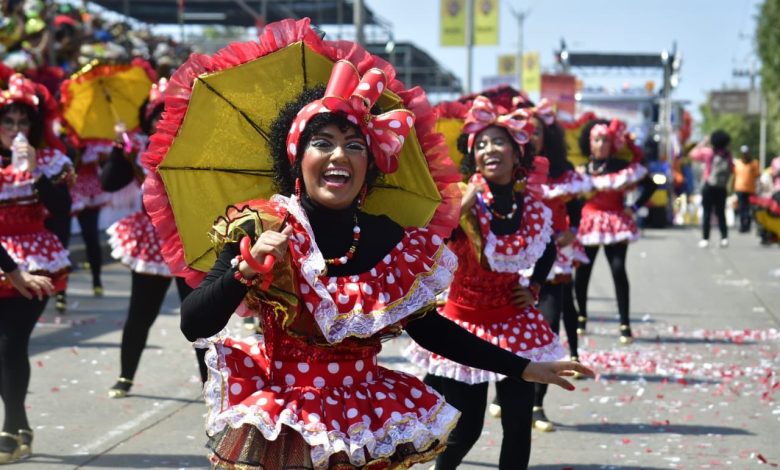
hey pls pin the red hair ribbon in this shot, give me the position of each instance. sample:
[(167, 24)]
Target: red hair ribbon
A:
[(615, 132), (484, 113), (20, 90), (349, 94)]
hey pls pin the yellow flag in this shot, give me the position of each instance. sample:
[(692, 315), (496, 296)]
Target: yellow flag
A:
[(453, 23), (532, 77), (506, 64), (485, 22)]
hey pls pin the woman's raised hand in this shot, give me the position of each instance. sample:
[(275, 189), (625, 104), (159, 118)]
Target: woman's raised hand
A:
[(554, 372), (469, 198), (269, 243)]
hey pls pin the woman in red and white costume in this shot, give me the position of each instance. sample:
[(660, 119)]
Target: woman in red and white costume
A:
[(606, 220), (308, 392), (505, 229), (29, 192), (135, 243)]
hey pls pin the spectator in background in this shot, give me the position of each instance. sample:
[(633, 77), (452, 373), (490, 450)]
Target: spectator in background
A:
[(746, 173), (718, 169)]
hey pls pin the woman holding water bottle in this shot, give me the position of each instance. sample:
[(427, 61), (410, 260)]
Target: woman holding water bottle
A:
[(33, 185)]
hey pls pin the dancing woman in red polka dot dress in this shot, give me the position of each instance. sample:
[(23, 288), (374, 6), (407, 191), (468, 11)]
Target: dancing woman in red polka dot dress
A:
[(505, 229), (35, 174), (135, 243), (308, 393)]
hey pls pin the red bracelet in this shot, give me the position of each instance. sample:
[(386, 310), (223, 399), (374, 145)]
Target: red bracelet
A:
[(534, 288), (238, 276)]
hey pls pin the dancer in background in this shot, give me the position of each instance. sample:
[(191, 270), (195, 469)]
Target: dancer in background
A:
[(34, 181), (134, 243), (505, 229), (606, 220)]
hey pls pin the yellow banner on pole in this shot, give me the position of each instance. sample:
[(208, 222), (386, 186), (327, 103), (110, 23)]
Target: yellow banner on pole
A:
[(506, 64), (485, 22), (532, 72), (453, 23)]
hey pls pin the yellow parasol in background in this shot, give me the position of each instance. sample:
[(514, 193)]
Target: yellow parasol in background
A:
[(212, 146), (98, 96)]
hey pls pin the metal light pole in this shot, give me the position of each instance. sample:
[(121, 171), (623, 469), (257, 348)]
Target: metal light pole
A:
[(520, 16), (469, 43), (357, 16)]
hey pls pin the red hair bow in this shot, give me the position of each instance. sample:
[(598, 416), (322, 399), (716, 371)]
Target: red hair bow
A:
[(484, 113), (353, 96), (156, 97), (544, 112), (20, 90), (615, 132)]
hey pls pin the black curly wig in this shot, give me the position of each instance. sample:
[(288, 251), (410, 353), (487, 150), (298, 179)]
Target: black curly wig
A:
[(146, 123), (285, 174), (554, 150), (468, 165), (36, 118), (584, 140), (720, 139)]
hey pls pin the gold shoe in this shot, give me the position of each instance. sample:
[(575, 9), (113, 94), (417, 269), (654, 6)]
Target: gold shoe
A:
[(540, 422), (26, 439), (581, 325), (12, 455), (577, 375), (98, 291), (121, 388), (625, 335), (61, 303), (494, 410)]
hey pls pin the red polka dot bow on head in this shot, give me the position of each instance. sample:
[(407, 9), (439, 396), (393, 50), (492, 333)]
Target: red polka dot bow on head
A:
[(352, 96), (20, 90), (615, 132), (156, 96), (543, 112), (484, 113)]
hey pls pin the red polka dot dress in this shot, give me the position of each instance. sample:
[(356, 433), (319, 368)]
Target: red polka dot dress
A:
[(604, 220), (557, 191), (22, 216), (87, 193), (479, 298), (314, 369)]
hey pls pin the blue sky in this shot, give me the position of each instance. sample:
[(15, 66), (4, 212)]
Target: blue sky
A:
[(714, 36)]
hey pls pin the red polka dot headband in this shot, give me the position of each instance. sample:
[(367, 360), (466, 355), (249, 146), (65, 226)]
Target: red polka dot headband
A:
[(20, 90), (352, 96), (615, 132)]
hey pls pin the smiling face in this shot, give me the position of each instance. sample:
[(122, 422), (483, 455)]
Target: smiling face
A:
[(11, 123), (494, 155), (334, 166), (600, 147)]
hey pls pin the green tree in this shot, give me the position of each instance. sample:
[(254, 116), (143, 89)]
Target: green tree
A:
[(768, 44), (744, 130)]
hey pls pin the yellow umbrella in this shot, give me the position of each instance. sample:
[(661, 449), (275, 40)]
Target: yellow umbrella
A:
[(451, 116), (99, 95), (215, 150), (572, 132)]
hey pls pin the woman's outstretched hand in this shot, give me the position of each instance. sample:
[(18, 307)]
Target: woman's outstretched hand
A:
[(469, 198), (554, 372)]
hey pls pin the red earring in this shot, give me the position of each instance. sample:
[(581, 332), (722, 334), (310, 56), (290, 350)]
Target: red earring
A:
[(362, 196), (298, 188)]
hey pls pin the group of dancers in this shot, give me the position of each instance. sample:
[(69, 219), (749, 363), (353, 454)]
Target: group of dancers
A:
[(481, 285)]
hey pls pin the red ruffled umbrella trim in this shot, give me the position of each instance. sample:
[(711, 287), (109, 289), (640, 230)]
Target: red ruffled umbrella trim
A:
[(275, 37)]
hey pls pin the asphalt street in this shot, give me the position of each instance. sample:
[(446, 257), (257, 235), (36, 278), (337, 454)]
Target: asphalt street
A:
[(698, 389)]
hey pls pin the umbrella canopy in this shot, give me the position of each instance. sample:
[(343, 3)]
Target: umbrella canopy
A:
[(451, 116), (213, 144), (99, 95), (572, 130)]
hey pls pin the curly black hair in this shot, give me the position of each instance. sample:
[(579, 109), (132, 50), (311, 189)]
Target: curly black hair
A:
[(146, 123), (554, 149), (584, 140), (468, 165), (720, 139), (36, 117), (285, 174)]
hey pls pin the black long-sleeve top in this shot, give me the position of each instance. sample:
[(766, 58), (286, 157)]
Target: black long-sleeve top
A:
[(117, 172), (55, 197), (209, 307), (7, 264)]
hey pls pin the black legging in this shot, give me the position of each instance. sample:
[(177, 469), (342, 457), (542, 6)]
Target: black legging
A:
[(713, 197), (516, 399), (147, 293), (88, 221), (616, 256), (18, 317), (552, 303), (743, 209)]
